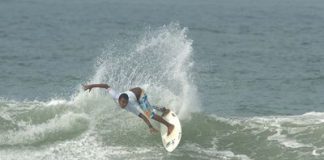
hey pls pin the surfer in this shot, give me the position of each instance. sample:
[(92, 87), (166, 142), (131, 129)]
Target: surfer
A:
[(135, 100)]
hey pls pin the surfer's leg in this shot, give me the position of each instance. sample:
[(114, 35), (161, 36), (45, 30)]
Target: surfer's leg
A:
[(150, 112), (161, 120), (159, 108), (164, 110), (148, 108)]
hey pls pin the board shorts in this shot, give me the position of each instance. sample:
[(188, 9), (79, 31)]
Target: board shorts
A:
[(148, 109)]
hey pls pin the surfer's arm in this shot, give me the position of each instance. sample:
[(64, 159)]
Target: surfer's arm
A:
[(111, 91), (137, 91), (90, 86), (152, 129)]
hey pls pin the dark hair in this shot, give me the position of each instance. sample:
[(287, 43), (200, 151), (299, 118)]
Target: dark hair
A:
[(123, 95)]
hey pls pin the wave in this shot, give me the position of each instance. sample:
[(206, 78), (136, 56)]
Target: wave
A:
[(91, 126), (298, 136), (95, 122)]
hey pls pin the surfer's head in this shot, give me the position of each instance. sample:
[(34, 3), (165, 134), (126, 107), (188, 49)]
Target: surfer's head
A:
[(123, 100)]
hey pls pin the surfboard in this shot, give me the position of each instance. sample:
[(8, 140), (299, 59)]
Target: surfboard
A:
[(171, 142)]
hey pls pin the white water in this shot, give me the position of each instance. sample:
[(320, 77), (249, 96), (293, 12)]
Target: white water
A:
[(160, 63)]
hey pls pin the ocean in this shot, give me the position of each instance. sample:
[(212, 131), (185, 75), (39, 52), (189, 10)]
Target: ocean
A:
[(245, 77)]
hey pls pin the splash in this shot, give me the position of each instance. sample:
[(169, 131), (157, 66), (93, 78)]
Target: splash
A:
[(160, 63)]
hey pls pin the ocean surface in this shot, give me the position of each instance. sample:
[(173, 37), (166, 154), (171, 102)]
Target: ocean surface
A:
[(246, 78)]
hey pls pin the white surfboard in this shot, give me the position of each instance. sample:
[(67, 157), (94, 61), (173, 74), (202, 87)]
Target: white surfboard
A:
[(171, 142)]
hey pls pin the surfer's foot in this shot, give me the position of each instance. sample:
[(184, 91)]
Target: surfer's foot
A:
[(170, 129), (165, 111)]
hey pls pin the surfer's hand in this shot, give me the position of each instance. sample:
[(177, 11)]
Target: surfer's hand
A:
[(153, 130), (86, 87)]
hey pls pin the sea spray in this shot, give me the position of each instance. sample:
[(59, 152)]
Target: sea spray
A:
[(160, 63)]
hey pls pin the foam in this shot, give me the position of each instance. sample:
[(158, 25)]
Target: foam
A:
[(56, 102), (285, 141), (84, 147), (200, 152), (27, 133), (287, 131)]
